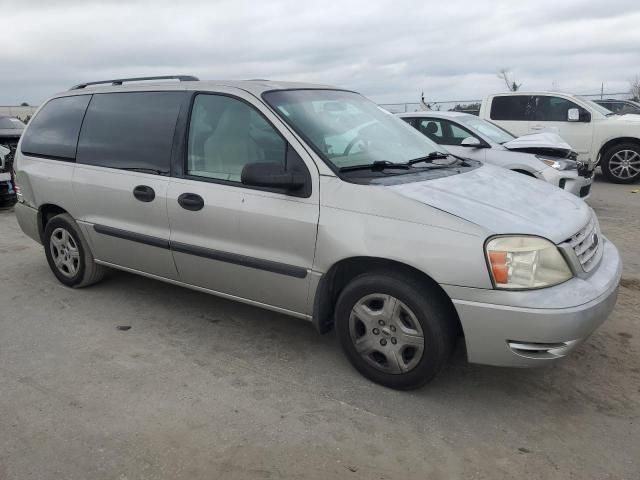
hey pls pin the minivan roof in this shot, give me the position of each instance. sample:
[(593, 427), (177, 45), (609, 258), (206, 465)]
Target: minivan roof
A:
[(256, 87)]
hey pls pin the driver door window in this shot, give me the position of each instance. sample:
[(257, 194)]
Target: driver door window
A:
[(553, 109), (443, 132), (225, 134), (431, 128)]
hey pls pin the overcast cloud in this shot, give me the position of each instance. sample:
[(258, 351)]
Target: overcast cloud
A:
[(390, 51)]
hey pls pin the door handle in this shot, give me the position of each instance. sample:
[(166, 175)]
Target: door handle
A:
[(537, 127), (191, 201), (144, 193)]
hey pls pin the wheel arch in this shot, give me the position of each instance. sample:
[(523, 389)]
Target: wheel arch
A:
[(616, 141), (45, 213), (345, 270)]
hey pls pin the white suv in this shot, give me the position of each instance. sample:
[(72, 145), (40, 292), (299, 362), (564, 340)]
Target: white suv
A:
[(596, 134)]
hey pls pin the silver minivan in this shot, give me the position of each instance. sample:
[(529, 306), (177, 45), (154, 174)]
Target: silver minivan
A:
[(312, 201)]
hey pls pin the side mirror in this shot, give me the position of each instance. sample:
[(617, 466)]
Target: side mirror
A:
[(271, 175), (471, 142), (585, 116), (573, 115)]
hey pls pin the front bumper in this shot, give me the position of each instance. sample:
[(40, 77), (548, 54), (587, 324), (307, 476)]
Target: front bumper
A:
[(532, 328), (570, 181)]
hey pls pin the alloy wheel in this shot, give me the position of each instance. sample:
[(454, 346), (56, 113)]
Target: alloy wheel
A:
[(625, 164), (64, 252)]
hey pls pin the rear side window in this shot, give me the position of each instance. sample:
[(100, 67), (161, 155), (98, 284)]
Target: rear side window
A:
[(53, 132), (513, 107), (131, 131)]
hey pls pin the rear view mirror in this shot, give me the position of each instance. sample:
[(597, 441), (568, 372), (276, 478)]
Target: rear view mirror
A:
[(271, 175), (471, 142), (573, 115)]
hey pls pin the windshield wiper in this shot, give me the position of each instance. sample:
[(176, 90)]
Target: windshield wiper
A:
[(431, 157), (376, 166)]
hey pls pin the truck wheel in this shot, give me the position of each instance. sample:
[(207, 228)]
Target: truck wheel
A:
[(621, 163), (393, 329), (68, 253)]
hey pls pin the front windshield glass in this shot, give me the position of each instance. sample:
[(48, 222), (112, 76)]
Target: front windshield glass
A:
[(487, 129), (347, 129), (596, 107)]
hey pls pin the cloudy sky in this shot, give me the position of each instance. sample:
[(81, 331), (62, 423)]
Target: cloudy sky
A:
[(390, 51)]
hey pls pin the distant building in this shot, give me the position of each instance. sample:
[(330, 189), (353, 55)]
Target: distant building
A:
[(23, 113)]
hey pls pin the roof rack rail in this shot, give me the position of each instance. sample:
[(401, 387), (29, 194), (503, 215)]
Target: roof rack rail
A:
[(120, 81)]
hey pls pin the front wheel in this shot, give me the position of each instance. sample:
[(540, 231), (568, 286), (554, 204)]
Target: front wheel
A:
[(621, 163), (394, 329)]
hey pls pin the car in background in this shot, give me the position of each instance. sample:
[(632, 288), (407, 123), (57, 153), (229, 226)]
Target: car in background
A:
[(620, 107), (10, 131), (544, 155), (599, 136), (7, 193)]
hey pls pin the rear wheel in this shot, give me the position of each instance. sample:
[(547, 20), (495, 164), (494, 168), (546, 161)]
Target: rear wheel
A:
[(68, 253), (621, 163), (394, 330)]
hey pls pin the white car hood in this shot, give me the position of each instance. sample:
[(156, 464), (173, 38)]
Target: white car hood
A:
[(503, 202), (3, 152), (543, 140), (626, 118)]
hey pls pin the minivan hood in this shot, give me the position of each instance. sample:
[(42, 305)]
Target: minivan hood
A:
[(543, 143), (503, 202)]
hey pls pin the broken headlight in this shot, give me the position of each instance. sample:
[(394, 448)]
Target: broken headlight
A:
[(558, 163)]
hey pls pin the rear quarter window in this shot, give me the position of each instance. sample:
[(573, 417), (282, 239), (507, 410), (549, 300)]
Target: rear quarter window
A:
[(53, 132), (130, 130), (512, 107)]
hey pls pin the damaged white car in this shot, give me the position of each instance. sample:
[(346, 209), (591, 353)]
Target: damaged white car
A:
[(7, 193), (541, 155)]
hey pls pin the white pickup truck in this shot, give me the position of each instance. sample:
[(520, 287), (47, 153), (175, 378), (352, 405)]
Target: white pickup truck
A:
[(596, 134)]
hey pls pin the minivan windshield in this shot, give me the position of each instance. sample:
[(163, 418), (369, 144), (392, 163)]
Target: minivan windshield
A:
[(486, 128), (348, 130)]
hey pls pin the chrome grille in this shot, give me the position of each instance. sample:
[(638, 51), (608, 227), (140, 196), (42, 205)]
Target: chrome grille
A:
[(587, 245)]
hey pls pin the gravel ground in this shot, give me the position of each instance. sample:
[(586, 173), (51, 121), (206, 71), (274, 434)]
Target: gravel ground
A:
[(204, 388)]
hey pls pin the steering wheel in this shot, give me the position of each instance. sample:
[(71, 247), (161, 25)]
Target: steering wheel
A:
[(353, 143)]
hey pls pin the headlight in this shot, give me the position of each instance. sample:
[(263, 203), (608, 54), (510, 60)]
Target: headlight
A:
[(521, 262), (558, 163)]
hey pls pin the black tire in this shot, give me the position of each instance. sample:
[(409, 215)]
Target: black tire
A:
[(88, 271), (610, 165), (428, 307)]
